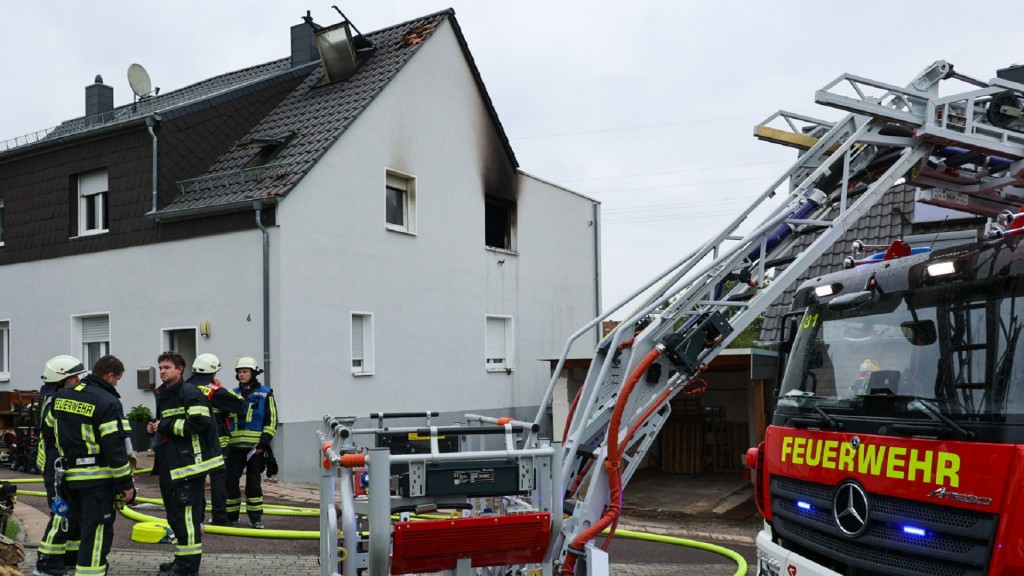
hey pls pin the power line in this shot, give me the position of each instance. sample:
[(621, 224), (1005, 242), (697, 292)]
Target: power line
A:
[(682, 185), (641, 127), (673, 171)]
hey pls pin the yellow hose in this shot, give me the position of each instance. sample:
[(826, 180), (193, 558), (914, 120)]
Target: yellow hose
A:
[(275, 509), (741, 563), (232, 531)]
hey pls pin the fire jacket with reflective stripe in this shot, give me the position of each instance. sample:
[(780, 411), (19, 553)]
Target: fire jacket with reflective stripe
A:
[(90, 428), (257, 424), (186, 445), (223, 401), (46, 454)]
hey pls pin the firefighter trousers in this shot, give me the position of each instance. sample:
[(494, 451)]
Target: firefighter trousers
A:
[(219, 496), (185, 503), (95, 508), (237, 464), (58, 548)]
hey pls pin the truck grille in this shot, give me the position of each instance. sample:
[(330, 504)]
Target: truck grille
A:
[(957, 542)]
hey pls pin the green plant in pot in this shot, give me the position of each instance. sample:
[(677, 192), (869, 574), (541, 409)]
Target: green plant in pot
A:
[(139, 416)]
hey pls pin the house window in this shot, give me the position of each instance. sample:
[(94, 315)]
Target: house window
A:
[(400, 202), (2, 213), (498, 344), (92, 203), (95, 338), (183, 341), (362, 343), (5, 352), (499, 223)]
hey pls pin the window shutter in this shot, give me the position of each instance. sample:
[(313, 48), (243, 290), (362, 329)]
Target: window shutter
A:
[(92, 183), (357, 337), (495, 338), (96, 329), (397, 183)]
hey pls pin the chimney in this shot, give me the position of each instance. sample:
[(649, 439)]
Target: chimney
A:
[(99, 98), (303, 42)]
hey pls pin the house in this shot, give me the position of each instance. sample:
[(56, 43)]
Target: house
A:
[(356, 221)]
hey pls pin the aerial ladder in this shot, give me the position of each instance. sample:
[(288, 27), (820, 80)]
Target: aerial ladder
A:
[(963, 151)]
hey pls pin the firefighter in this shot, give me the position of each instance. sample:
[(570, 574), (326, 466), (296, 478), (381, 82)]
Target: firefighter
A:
[(91, 433), (185, 451), (58, 548), (223, 402), (252, 429)]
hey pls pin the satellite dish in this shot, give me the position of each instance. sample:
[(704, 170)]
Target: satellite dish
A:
[(138, 79)]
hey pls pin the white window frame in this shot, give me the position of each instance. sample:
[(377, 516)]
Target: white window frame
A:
[(3, 215), (513, 224), (97, 338), (361, 337), (5, 351), (405, 183), (93, 190), (189, 352), (499, 327)]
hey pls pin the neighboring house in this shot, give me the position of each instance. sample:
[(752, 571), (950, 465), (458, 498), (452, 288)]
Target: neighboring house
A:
[(363, 230)]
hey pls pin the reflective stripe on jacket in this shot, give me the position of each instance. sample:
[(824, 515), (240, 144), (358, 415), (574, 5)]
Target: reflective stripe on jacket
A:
[(186, 445), (257, 424), (90, 431)]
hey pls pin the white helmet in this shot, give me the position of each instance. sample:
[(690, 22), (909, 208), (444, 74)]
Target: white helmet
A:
[(60, 367), (206, 364), (248, 362)]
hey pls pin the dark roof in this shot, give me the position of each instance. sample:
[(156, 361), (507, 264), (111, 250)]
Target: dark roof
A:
[(167, 104), (308, 122)]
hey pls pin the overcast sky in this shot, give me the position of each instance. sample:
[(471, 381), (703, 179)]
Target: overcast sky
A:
[(647, 106)]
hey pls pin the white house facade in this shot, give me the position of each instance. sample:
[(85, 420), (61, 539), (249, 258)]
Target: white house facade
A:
[(390, 257)]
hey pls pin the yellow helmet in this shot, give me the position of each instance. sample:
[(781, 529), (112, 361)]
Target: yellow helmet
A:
[(60, 367), (248, 362), (206, 364)]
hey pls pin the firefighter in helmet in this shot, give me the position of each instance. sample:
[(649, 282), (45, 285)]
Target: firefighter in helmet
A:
[(223, 402), (252, 430), (92, 439), (58, 548)]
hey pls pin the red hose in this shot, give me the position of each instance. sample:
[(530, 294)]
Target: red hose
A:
[(572, 411), (611, 512)]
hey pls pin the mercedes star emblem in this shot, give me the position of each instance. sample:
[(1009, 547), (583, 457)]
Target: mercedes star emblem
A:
[(850, 508)]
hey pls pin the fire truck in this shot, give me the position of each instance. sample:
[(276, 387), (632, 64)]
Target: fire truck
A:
[(896, 436)]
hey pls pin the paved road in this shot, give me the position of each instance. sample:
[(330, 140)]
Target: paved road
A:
[(239, 556)]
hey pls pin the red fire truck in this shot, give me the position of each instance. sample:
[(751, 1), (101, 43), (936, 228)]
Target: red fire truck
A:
[(896, 444)]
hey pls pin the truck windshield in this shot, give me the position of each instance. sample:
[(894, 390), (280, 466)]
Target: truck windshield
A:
[(955, 348)]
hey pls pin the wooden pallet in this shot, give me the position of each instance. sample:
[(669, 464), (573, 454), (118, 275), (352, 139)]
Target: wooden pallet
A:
[(682, 447), (729, 441)]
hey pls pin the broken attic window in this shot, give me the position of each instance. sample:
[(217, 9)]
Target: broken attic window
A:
[(340, 52), (267, 148)]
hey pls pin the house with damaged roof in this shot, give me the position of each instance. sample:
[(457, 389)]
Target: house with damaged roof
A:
[(351, 215)]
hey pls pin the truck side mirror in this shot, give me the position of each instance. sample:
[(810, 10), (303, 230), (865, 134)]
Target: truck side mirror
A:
[(919, 332)]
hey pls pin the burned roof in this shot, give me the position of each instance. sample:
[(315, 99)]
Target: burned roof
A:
[(300, 130)]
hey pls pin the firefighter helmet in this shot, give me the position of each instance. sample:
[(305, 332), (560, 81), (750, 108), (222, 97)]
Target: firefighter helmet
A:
[(206, 364), (250, 363), (60, 367)]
